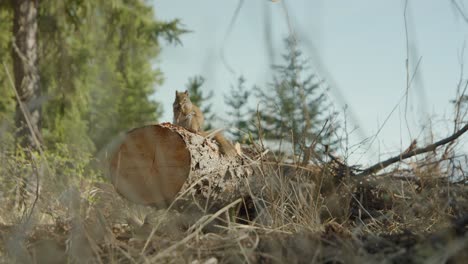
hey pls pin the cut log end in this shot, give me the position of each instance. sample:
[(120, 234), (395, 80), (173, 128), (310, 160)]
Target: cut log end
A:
[(150, 166), (155, 164)]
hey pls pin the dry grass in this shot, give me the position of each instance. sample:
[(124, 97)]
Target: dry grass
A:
[(301, 216)]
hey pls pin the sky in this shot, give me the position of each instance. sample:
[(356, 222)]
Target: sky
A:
[(358, 47)]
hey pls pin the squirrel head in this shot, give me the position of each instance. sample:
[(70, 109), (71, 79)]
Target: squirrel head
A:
[(182, 100)]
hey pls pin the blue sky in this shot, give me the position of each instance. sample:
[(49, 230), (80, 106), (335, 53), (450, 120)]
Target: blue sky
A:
[(358, 47)]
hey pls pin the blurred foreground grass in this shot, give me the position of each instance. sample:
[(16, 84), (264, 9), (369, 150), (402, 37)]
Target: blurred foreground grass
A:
[(78, 218)]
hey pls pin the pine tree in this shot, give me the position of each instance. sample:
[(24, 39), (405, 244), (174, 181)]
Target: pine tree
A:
[(96, 68), (201, 100), (7, 101), (237, 100), (292, 106), (28, 114)]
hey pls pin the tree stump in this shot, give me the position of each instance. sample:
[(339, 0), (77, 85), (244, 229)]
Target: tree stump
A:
[(155, 164)]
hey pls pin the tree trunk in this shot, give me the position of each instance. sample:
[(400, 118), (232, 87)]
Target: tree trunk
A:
[(155, 164), (24, 55)]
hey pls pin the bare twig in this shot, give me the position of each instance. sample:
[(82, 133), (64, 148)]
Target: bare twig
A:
[(407, 62), (228, 33), (310, 149), (36, 172), (381, 165), (196, 232), (26, 114), (24, 110), (460, 95), (459, 9)]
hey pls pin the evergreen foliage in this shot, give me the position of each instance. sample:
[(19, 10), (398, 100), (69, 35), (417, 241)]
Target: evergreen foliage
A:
[(292, 107), (7, 103), (201, 100), (237, 100), (96, 64)]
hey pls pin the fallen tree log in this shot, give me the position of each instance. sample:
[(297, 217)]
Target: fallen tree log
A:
[(166, 165), (155, 164)]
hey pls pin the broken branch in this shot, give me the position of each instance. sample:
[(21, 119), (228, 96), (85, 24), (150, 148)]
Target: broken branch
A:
[(381, 165)]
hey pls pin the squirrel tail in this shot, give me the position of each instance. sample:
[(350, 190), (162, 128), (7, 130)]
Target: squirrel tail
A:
[(225, 146)]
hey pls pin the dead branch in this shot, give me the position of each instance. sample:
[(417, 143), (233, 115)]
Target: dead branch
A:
[(36, 173), (35, 134), (381, 165), (460, 10)]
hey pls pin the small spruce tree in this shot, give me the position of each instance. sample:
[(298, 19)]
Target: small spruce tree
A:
[(237, 100), (292, 107), (201, 100)]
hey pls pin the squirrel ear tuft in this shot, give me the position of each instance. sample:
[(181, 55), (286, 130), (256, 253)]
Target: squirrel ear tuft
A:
[(176, 92), (186, 92)]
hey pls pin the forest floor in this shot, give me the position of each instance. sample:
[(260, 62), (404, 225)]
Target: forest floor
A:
[(419, 219)]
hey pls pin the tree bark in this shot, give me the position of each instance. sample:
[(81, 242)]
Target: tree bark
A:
[(26, 76), (155, 164)]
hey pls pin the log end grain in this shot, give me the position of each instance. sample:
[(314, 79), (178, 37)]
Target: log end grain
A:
[(150, 166)]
